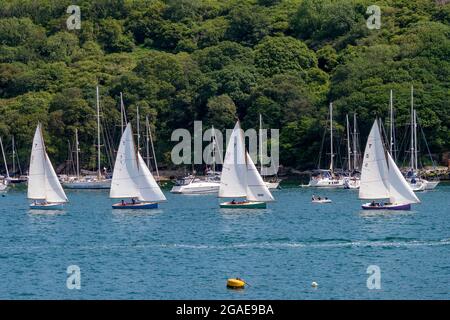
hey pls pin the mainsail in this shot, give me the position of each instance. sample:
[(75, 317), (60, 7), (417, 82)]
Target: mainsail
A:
[(233, 181), (43, 183), (240, 178), (374, 173), (131, 177)]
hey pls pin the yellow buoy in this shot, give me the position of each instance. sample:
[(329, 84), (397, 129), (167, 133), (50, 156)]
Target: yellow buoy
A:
[(235, 283)]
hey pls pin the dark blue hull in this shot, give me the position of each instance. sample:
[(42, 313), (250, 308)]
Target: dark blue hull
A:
[(134, 206)]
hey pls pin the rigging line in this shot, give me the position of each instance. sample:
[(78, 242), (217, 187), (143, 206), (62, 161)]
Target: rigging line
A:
[(321, 147), (426, 143)]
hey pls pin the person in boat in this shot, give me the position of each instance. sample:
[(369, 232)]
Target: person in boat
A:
[(233, 201), (326, 198), (373, 204), (313, 197), (319, 198), (123, 202), (133, 201)]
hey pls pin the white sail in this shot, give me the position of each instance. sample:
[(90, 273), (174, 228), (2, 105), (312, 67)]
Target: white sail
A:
[(43, 183), (233, 181), (399, 190), (131, 177), (125, 169), (374, 173), (53, 189), (148, 187), (256, 188), (36, 174)]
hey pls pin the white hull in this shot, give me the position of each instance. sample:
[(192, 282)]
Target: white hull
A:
[(197, 188), (322, 201), (326, 183), (102, 184), (431, 185), (420, 185), (47, 206), (273, 185), (3, 187), (350, 183)]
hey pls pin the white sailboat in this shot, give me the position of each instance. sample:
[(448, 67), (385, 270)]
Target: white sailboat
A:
[(91, 182), (328, 178), (240, 178), (353, 180), (192, 184), (44, 187), (381, 178), (132, 179), (416, 182)]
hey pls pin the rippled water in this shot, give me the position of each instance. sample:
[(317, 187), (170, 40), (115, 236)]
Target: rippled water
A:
[(189, 247)]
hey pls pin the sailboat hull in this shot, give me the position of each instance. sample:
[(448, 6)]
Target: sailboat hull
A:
[(243, 205), (136, 206), (47, 206), (405, 207)]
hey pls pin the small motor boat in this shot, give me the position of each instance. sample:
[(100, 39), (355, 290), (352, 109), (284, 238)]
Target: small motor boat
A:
[(322, 201)]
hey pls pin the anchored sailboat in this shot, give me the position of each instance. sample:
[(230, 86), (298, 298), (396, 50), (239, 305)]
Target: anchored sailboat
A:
[(99, 182), (132, 179), (240, 178), (44, 187), (381, 178), (327, 178)]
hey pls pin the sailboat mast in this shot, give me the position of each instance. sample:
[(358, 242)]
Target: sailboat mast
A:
[(214, 150), (391, 127), (99, 173), (14, 156), (121, 112), (153, 152), (147, 141), (260, 144), (355, 158), (4, 158), (138, 130), (331, 139), (77, 149), (412, 128), (349, 149), (415, 142)]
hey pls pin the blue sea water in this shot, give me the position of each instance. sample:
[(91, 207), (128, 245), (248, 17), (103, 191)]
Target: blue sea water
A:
[(188, 247)]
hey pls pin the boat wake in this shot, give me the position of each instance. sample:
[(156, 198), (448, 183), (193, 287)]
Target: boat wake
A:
[(258, 245)]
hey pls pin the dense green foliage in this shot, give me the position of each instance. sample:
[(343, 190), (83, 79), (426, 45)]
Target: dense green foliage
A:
[(212, 60)]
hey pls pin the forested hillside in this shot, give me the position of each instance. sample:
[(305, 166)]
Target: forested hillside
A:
[(212, 60)]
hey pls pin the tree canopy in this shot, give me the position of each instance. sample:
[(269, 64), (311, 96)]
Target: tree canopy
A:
[(211, 60)]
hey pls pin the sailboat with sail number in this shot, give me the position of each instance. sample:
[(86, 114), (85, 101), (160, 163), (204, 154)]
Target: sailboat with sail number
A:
[(132, 179), (44, 187), (382, 179), (240, 178)]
